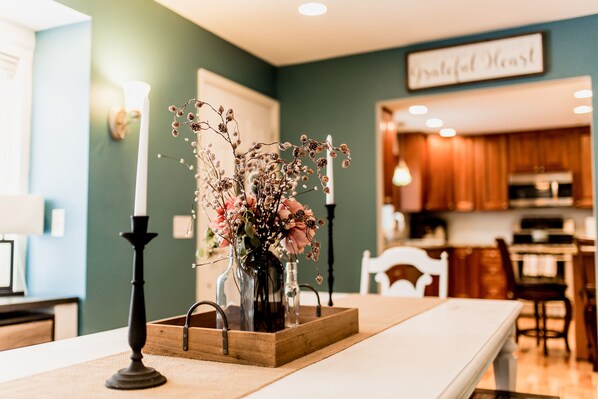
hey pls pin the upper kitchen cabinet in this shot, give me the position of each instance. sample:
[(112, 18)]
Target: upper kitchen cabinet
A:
[(413, 148), (463, 173), (582, 171), (490, 163), (438, 191), (542, 151)]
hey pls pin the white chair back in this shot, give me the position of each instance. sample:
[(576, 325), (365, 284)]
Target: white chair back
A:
[(415, 257)]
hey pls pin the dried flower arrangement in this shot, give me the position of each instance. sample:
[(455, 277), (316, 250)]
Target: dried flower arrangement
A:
[(255, 207)]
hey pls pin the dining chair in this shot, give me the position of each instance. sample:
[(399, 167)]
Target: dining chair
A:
[(584, 261), (404, 271), (538, 290)]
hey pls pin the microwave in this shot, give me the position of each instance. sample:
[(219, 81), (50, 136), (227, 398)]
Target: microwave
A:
[(540, 189)]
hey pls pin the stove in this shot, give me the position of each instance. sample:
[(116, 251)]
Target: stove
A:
[(544, 230)]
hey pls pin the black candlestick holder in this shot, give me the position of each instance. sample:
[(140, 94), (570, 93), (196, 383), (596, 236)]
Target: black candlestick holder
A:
[(137, 376), (330, 217)]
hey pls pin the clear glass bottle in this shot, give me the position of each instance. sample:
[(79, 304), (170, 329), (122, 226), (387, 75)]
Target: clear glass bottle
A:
[(291, 295), (234, 294)]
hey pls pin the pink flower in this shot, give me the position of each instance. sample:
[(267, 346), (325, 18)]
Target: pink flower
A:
[(221, 224), (293, 215)]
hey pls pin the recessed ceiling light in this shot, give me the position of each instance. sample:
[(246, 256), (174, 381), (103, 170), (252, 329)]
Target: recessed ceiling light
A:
[(448, 132), (312, 9), (434, 122), (418, 110), (585, 93), (582, 109)]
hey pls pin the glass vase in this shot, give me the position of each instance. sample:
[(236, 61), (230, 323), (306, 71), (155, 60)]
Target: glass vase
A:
[(291, 295), (234, 294), (268, 306)]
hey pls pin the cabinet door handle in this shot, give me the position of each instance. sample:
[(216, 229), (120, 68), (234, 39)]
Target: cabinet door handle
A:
[(542, 169)]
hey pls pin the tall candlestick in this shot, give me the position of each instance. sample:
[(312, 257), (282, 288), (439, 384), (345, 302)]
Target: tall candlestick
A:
[(330, 194), (142, 155)]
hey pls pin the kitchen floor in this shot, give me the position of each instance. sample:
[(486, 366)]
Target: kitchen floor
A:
[(557, 374)]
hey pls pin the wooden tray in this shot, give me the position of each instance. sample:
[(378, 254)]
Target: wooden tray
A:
[(165, 337)]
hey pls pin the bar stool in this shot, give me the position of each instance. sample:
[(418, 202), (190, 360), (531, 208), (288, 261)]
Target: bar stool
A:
[(539, 290)]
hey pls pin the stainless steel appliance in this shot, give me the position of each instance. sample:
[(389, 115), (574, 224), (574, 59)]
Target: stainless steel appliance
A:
[(544, 230), (540, 189)]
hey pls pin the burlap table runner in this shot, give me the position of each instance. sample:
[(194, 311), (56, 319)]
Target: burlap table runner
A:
[(208, 380)]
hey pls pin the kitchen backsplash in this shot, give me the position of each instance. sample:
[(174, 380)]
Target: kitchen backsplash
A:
[(481, 228)]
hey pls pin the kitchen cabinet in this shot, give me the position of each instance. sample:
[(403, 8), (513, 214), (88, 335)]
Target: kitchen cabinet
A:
[(490, 163), (493, 284), (542, 151), (414, 150), (463, 273), (438, 189), (463, 177), (474, 272), (582, 171)]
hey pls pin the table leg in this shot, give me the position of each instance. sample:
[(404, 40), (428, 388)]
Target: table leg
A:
[(505, 365)]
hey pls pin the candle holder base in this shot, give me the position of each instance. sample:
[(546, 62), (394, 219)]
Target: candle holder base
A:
[(136, 376)]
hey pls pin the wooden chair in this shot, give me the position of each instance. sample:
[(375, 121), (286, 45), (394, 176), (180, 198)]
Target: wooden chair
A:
[(407, 282), (584, 263), (539, 290)]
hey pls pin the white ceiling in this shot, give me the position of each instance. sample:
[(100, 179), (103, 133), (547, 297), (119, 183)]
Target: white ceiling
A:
[(510, 108), (39, 14), (274, 31)]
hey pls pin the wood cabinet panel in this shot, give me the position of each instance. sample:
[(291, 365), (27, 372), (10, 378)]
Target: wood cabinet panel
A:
[(490, 160), (25, 334), (582, 171), (439, 182), (413, 148), (542, 151), (557, 149), (463, 273), (523, 156), (493, 281), (463, 174)]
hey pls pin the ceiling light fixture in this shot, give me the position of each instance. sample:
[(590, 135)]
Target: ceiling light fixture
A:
[(312, 9), (585, 93), (582, 109), (434, 122), (448, 132), (418, 110)]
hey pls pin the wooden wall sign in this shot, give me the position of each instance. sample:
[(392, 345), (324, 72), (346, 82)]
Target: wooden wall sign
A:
[(473, 62)]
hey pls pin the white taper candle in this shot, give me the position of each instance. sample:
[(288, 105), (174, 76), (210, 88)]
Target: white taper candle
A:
[(330, 195), (142, 155)]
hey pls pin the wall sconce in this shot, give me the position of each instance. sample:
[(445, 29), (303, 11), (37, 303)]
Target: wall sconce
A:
[(118, 117)]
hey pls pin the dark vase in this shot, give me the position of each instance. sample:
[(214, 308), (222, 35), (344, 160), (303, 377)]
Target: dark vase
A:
[(268, 307)]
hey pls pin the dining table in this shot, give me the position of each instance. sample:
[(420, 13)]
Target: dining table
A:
[(406, 348)]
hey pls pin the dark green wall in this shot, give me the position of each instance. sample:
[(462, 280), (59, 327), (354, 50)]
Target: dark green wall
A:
[(338, 96), (141, 40)]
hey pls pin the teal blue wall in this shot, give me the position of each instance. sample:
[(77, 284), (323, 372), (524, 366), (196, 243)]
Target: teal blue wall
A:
[(141, 40), (338, 96), (59, 157)]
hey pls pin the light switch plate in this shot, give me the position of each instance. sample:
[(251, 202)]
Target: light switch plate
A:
[(182, 228), (58, 222)]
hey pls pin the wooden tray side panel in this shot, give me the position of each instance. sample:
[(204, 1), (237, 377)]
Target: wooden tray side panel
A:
[(296, 342), (165, 337), (206, 344)]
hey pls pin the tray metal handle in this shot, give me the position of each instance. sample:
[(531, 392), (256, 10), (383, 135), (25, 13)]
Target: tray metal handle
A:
[(319, 307), (224, 325)]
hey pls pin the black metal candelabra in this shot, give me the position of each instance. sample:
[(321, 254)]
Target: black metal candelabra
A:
[(137, 376), (330, 217)]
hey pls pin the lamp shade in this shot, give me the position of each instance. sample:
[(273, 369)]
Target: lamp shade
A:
[(21, 214), (135, 92)]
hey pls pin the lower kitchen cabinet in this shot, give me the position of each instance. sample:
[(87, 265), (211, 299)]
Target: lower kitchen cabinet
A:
[(476, 272)]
